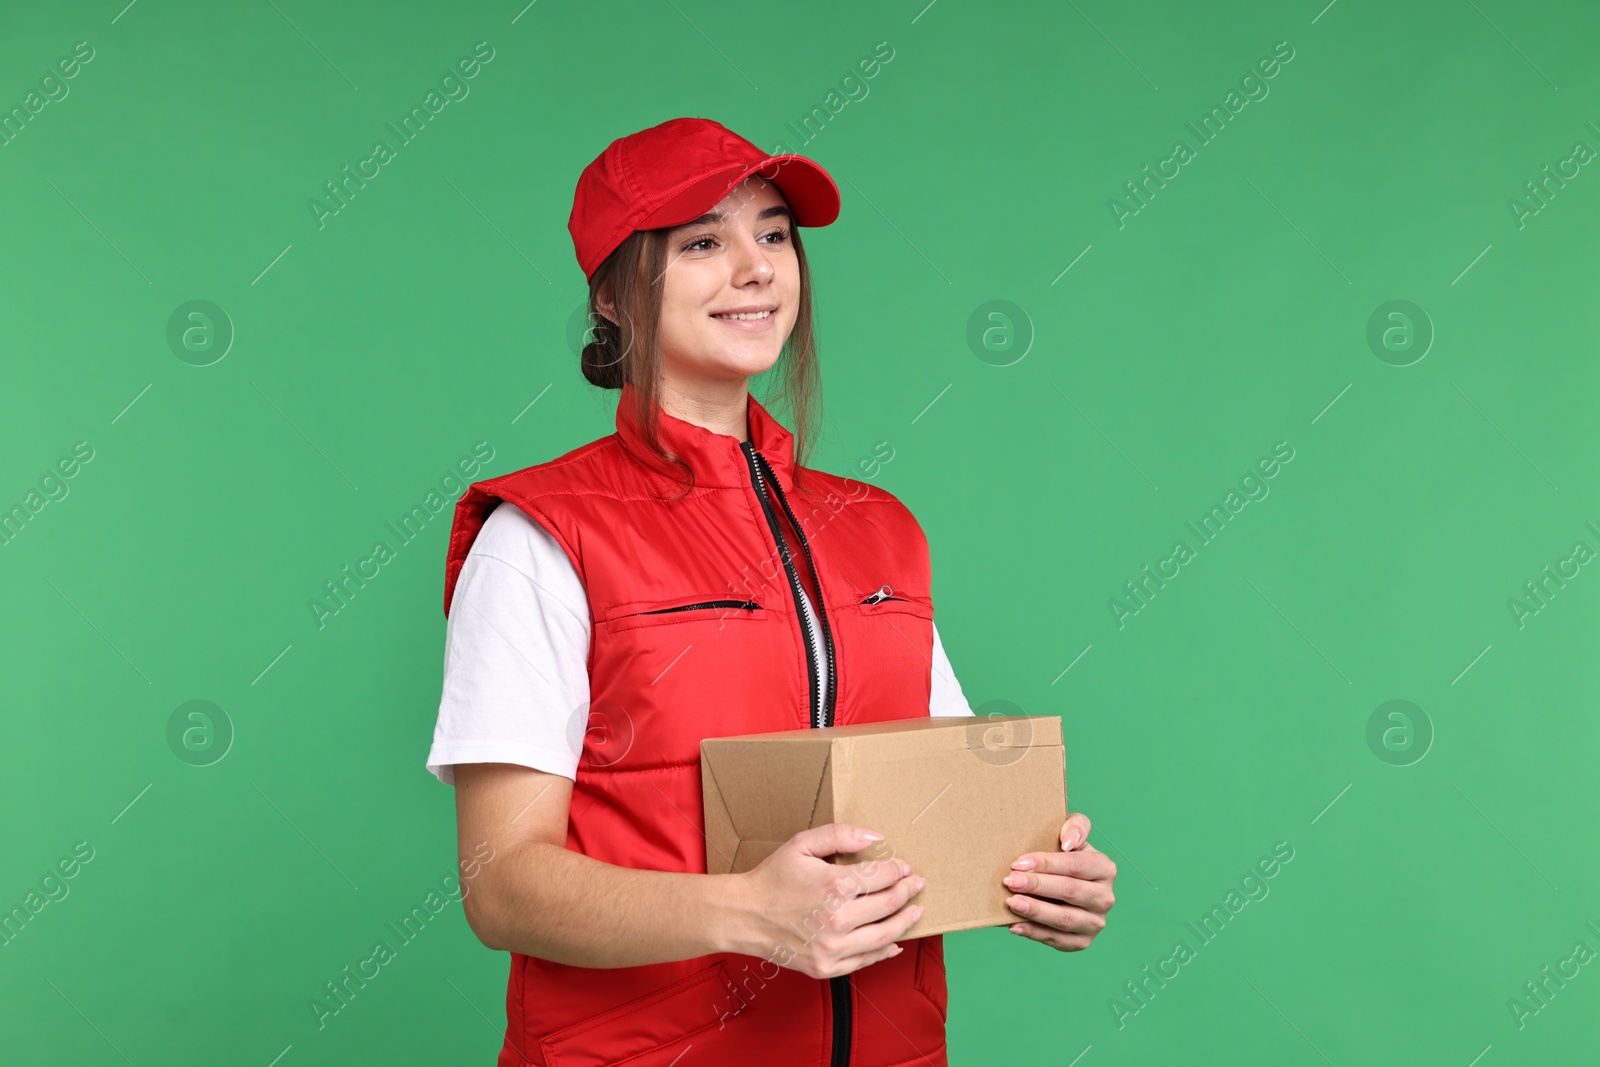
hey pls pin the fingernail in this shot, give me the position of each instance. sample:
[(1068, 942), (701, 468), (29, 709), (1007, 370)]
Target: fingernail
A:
[(919, 883), (918, 911), (904, 867), (1071, 842), (1017, 929), (1019, 904), (897, 951), (1016, 881), (870, 836), (1024, 864)]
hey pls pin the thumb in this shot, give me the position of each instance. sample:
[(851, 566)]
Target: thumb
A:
[(832, 838)]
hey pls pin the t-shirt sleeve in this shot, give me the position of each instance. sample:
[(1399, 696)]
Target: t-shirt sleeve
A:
[(945, 696), (516, 679)]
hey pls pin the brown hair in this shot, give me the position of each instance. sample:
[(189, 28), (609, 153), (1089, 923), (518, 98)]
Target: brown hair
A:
[(630, 350)]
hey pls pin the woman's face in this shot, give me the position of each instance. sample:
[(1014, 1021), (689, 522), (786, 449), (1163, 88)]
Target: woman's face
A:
[(738, 258)]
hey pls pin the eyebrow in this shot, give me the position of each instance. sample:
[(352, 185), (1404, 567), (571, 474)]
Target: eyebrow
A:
[(716, 216)]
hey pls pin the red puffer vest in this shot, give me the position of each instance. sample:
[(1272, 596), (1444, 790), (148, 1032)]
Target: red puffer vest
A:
[(698, 632)]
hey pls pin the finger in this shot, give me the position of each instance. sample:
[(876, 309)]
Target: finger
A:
[(871, 907), (1090, 895), (1054, 938), (1075, 831), (1061, 917), (872, 937), (873, 874), (1091, 865), (867, 959), (832, 838)]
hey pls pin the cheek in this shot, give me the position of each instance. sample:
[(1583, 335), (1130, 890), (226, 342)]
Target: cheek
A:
[(789, 276), (788, 282), (680, 309), (681, 330), (685, 296)]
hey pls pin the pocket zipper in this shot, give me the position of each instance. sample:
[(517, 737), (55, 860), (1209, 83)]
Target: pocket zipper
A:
[(883, 593), (748, 605)]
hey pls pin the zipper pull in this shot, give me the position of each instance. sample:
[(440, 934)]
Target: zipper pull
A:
[(883, 593)]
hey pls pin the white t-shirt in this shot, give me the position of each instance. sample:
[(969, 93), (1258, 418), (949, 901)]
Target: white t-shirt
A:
[(516, 675)]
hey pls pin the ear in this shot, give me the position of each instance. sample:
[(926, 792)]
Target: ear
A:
[(603, 303)]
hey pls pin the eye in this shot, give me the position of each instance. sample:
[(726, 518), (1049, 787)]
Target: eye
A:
[(695, 245), (781, 235)]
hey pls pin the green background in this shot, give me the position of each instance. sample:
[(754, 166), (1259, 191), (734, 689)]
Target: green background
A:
[(1229, 314)]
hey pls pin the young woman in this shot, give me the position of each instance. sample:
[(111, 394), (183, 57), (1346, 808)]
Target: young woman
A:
[(687, 577)]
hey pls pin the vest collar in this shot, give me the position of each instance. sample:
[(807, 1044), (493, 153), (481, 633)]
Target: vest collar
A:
[(716, 458)]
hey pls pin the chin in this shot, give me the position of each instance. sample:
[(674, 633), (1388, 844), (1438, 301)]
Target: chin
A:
[(743, 363), (745, 368)]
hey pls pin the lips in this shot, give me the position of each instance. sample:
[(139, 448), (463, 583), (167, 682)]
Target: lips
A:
[(752, 318)]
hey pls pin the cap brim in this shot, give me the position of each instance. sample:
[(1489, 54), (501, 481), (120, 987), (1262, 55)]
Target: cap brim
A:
[(809, 190)]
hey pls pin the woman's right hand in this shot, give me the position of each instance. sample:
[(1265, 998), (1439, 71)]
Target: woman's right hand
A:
[(827, 919)]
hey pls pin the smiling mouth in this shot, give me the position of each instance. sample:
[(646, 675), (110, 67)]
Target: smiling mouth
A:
[(745, 316)]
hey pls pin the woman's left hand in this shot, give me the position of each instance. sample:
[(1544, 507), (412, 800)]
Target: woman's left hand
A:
[(1063, 896)]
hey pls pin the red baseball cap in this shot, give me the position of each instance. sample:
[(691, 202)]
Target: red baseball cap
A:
[(673, 173)]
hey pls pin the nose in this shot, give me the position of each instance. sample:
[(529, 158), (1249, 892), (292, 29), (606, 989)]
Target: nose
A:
[(750, 262)]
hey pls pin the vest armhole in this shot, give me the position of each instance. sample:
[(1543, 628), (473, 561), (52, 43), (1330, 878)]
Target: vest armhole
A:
[(549, 526), (537, 515)]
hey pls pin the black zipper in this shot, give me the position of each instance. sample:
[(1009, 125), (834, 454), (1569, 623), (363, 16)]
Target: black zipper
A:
[(748, 605), (822, 615), (840, 989), (821, 710)]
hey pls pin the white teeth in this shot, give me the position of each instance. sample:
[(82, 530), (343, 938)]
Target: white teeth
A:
[(744, 315)]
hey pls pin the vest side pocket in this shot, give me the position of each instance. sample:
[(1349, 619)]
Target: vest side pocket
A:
[(930, 978), (668, 1016)]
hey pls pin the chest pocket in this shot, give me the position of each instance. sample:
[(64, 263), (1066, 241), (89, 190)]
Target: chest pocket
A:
[(702, 607), (885, 637), (705, 663), (887, 600)]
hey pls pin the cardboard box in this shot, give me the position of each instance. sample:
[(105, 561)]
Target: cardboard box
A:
[(958, 798)]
